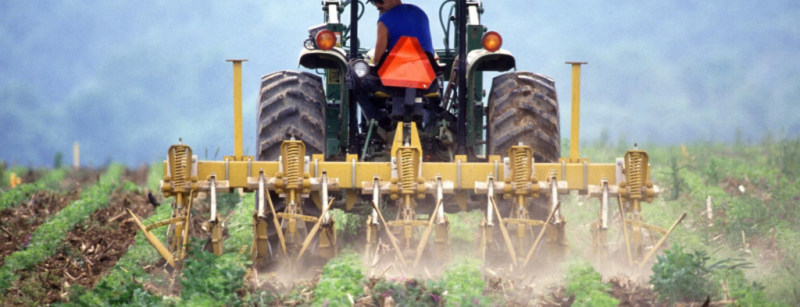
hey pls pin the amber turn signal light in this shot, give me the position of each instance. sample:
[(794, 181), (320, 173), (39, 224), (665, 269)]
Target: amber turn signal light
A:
[(492, 41), (325, 40)]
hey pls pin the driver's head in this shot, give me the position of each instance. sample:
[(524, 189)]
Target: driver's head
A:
[(385, 5)]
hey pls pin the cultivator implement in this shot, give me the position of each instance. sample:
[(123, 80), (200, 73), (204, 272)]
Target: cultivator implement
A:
[(406, 179)]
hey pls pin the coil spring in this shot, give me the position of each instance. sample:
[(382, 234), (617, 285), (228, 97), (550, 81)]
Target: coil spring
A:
[(407, 169), (635, 175), (521, 170), (293, 163), (179, 178)]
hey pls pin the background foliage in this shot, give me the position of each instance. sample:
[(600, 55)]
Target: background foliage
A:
[(91, 71)]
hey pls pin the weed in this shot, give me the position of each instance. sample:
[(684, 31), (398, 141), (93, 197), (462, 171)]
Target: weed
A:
[(211, 280), (347, 224), (340, 277), (713, 171), (677, 183), (112, 293), (586, 284), (679, 276), (788, 159), (408, 292), (462, 280), (464, 227)]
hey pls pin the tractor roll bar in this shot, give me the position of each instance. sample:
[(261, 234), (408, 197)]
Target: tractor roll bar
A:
[(461, 136), (352, 100)]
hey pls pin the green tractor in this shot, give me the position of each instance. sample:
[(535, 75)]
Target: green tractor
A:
[(454, 115)]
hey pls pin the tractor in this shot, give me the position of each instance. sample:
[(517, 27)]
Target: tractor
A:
[(428, 139), (522, 107)]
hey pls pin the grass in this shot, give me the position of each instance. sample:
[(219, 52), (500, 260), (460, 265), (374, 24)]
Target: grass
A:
[(688, 175)]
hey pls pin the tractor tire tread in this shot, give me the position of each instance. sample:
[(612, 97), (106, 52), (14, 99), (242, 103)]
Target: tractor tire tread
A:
[(523, 107), (290, 104)]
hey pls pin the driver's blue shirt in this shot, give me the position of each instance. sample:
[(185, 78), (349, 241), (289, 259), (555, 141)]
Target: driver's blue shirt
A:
[(407, 20)]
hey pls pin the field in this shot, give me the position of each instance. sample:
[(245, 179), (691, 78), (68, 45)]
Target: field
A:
[(67, 239)]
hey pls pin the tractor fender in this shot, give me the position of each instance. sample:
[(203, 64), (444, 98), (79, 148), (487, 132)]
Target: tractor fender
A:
[(327, 59), (483, 60)]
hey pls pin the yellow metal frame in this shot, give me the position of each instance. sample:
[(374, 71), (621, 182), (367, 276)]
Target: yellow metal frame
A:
[(406, 177)]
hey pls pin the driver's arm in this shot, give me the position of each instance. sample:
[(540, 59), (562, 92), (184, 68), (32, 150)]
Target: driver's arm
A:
[(382, 42)]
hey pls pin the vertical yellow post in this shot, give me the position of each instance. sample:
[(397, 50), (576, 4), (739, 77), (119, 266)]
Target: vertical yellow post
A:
[(574, 145), (237, 109), (76, 155)]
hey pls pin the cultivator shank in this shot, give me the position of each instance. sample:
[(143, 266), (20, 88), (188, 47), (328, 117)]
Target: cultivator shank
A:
[(406, 179)]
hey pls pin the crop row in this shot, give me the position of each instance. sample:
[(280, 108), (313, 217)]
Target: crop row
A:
[(205, 279), (48, 236), (18, 194)]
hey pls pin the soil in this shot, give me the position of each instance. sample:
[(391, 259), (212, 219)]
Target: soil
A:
[(89, 251), (19, 222), (137, 176), (81, 177), (32, 175), (631, 293)]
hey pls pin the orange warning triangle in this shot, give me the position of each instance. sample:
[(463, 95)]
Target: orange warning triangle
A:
[(407, 65)]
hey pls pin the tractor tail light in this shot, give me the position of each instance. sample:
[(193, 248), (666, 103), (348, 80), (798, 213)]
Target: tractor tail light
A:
[(325, 40), (492, 41)]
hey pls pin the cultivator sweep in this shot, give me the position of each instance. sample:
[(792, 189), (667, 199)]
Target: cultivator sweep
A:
[(310, 150)]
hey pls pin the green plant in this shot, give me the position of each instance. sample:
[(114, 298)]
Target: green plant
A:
[(58, 160), (347, 224), (587, 286), (789, 158), (340, 277), (408, 292), (464, 226), (680, 276), (677, 183), (240, 227), (211, 280), (227, 202), (260, 298), (713, 171), (112, 293), (463, 283), (745, 293)]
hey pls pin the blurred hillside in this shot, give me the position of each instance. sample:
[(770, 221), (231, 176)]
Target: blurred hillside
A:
[(127, 79)]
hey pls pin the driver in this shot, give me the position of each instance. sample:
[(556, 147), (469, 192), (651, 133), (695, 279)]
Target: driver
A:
[(397, 20)]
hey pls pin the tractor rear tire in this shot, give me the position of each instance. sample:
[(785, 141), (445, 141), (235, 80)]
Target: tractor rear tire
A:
[(291, 104), (523, 108)]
